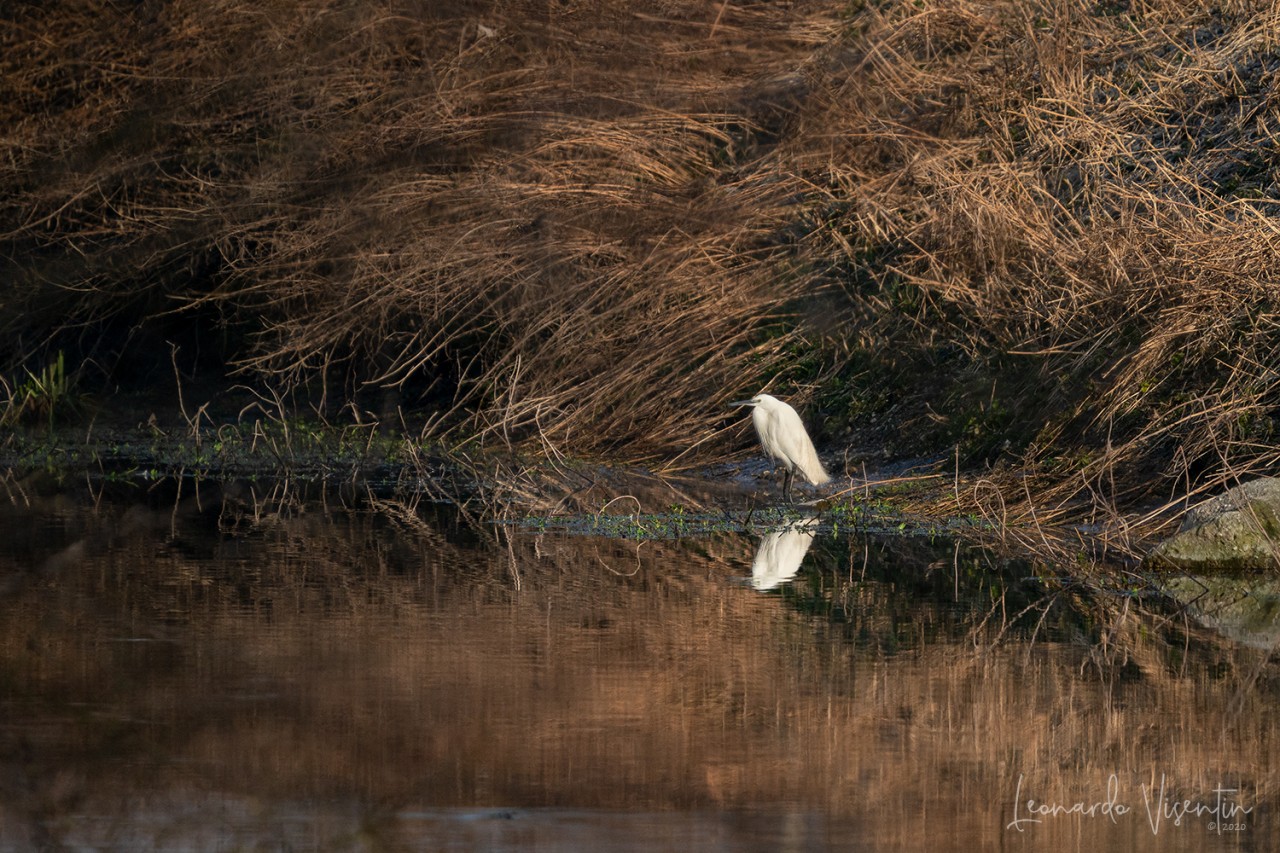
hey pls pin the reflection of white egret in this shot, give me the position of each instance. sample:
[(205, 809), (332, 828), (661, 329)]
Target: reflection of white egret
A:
[(784, 439), (780, 554)]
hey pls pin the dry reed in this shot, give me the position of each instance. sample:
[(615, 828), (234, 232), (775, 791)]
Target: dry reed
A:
[(579, 230)]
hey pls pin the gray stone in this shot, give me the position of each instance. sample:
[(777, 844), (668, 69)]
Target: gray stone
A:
[(1239, 529)]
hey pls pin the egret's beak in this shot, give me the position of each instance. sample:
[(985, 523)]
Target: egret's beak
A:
[(742, 403)]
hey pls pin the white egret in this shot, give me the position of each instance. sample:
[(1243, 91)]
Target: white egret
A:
[(784, 439)]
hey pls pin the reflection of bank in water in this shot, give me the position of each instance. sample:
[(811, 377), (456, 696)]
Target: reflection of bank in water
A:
[(1242, 607), (780, 554)]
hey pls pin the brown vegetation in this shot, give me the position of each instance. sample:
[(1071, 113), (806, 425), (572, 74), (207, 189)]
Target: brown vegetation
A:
[(549, 220), (1078, 199), (1045, 227)]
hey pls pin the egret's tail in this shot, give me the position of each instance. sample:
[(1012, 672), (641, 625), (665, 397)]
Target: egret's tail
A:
[(811, 466)]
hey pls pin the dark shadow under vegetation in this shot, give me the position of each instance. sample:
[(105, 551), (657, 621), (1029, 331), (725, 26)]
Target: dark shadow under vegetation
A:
[(1038, 236)]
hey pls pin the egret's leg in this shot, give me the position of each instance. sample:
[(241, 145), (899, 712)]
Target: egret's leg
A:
[(787, 476)]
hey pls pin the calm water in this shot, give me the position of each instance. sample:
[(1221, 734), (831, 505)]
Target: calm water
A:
[(256, 671)]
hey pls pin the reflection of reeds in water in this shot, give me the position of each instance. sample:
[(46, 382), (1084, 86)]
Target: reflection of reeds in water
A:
[(346, 657)]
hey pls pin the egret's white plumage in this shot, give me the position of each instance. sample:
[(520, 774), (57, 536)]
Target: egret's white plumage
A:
[(784, 439)]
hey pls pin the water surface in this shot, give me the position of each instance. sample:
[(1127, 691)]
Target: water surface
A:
[(252, 668)]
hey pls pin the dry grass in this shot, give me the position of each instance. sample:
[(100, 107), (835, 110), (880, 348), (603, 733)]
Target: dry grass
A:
[(580, 229), (1079, 199), (550, 223)]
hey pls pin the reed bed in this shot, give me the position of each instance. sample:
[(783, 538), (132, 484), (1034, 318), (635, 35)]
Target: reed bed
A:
[(543, 226), (1042, 233), (1067, 208)]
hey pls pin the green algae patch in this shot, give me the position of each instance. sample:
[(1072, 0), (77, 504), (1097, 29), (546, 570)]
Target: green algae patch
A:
[(877, 516)]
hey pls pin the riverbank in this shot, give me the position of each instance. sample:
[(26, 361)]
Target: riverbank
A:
[(929, 497), (1034, 242)]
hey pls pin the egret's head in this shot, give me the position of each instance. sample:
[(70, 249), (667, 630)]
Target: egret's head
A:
[(757, 400)]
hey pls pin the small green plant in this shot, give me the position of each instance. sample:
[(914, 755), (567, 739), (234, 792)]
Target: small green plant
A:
[(38, 395), (677, 516)]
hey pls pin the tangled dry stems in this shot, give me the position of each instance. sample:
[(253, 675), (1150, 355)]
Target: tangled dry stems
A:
[(1082, 189), (581, 229), (535, 217)]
